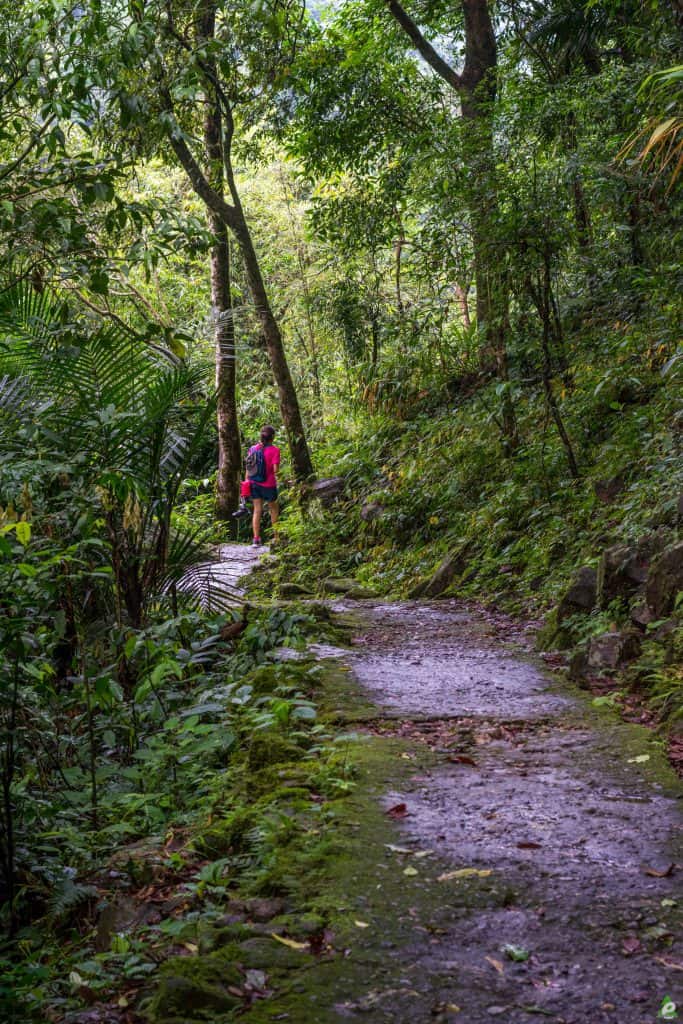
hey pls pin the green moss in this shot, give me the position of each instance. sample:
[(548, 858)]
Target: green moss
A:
[(269, 748), (195, 989), (228, 835), (268, 954)]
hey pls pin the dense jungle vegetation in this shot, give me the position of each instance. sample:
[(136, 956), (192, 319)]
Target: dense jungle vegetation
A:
[(438, 246)]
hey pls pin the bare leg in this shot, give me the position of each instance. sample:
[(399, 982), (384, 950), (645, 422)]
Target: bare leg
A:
[(274, 509), (256, 517)]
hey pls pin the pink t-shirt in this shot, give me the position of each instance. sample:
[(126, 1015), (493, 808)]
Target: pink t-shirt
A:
[(271, 454)]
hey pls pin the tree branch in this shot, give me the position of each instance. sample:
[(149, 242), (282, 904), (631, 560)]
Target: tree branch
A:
[(199, 182), (423, 47)]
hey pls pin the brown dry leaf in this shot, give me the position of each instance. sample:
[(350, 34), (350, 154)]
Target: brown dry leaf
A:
[(631, 945), (302, 946), (496, 964), (462, 759), (668, 961), (397, 811), (528, 845), (663, 873)]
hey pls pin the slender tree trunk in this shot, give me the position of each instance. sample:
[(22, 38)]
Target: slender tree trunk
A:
[(289, 403), (229, 452), (476, 88), (463, 303), (233, 217), (311, 349), (541, 295)]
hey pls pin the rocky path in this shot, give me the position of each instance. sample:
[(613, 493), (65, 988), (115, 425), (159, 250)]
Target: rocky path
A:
[(521, 865)]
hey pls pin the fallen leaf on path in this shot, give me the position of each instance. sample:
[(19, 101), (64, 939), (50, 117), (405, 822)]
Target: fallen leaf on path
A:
[(496, 964), (361, 924), (631, 945), (528, 845), (289, 942), (638, 760), (410, 871), (516, 953), (440, 1008), (462, 759), (397, 811), (465, 873), (397, 849), (669, 961), (663, 873), (419, 854), (191, 947)]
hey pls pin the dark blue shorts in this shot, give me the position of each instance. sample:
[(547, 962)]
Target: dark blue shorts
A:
[(265, 493)]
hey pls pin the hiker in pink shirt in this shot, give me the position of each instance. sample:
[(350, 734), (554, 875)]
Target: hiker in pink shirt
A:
[(262, 461)]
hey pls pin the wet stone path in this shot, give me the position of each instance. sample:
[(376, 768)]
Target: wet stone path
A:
[(544, 834)]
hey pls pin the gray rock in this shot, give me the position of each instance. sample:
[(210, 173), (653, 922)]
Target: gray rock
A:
[(641, 615), (623, 569), (619, 574), (578, 665), (581, 595), (418, 590), (370, 511), (327, 491), (264, 908), (611, 650), (453, 565), (665, 580), (340, 585), (293, 590), (360, 593)]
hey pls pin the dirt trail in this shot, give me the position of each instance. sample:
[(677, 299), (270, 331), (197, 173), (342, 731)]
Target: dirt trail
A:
[(532, 874)]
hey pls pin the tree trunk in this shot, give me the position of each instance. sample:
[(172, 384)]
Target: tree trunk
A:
[(289, 403), (232, 216), (476, 87), (229, 463), (229, 452)]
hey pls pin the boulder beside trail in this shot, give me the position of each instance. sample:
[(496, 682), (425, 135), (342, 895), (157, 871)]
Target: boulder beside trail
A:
[(327, 491), (665, 580), (581, 595), (347, 587), (453, 565), (624, 568), (609, 651)]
